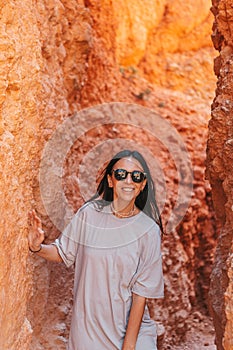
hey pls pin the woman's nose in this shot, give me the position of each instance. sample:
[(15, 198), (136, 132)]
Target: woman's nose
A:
[(128, 178)]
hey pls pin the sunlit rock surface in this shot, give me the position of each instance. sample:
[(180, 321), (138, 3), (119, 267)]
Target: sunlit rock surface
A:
[(57, 58), (219, 171)]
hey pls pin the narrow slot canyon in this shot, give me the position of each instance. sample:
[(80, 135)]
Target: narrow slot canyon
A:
[(85, 78)]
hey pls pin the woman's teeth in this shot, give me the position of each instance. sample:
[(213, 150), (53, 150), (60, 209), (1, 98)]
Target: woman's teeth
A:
[(127, 189)]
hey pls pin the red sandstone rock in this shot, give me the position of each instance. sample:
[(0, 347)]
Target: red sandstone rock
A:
[(58, 57), (219, 171)]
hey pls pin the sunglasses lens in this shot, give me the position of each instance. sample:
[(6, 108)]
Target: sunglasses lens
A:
[(120, 174), (137, 176)]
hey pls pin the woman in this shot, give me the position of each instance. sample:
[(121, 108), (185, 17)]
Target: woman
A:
[(114, 243)]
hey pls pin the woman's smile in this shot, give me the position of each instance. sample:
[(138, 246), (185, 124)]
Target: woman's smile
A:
[(128, 189)]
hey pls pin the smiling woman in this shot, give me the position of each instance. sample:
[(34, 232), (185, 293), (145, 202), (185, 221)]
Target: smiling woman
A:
[(127, 181), (142, 192), (114, 243)]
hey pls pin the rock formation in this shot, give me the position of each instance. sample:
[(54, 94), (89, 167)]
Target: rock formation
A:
[(219, 171), (58, 57)]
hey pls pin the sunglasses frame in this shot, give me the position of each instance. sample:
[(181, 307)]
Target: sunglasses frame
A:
[(131, 174)]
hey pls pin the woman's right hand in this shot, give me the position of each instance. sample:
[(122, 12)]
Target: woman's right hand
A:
[(36, 234)]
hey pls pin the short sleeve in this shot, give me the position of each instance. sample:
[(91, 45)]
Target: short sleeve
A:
[(148, 281), (67, 243)]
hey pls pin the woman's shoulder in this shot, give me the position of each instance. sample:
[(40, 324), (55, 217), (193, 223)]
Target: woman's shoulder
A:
[(89, 212), (150, 222), (153, 231), (92, 207)]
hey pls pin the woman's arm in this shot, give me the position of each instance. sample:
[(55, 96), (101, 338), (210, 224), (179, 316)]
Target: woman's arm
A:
[(134, 322), (36, 237), (49, 252)]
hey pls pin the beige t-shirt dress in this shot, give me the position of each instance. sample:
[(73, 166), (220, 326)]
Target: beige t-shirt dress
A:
[(113, 257)]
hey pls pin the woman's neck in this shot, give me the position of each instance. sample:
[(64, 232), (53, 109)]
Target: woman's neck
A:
[(123, 210)]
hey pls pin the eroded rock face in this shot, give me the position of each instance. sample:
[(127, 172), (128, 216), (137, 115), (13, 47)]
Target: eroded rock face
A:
[(168, 40), (41, 44), (219, 170), (58, 57), (19, 96)]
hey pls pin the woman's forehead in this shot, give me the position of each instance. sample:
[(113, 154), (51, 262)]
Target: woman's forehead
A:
[(128, 163)]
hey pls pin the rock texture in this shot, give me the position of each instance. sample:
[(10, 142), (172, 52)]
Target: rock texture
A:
[(167, 42), (39, 78), (58, 57), (219, 171), (19, 124)]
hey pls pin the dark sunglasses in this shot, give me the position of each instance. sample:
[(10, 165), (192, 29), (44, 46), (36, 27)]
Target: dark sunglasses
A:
[(136, 175)]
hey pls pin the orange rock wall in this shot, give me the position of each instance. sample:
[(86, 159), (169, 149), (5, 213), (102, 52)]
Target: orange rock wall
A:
[(164, 40), (41, 43), (219, 170), (56, 58), (167, 42), (20, 88)]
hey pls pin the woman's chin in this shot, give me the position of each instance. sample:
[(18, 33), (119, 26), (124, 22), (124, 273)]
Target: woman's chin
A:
[(126, 198)]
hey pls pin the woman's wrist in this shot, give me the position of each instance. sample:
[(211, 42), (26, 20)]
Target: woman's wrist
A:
[(127, 347), (35, 250), (128, 344)]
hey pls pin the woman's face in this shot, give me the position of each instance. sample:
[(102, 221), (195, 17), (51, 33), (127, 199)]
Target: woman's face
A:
[(126, 191)]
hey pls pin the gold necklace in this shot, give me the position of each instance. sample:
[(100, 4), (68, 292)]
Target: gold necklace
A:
[(123, 215)]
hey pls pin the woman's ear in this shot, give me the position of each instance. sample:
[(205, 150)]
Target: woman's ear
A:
[(109, 181), (143, 184)]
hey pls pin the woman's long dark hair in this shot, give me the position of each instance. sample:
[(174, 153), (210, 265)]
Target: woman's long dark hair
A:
[(145, 201)]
